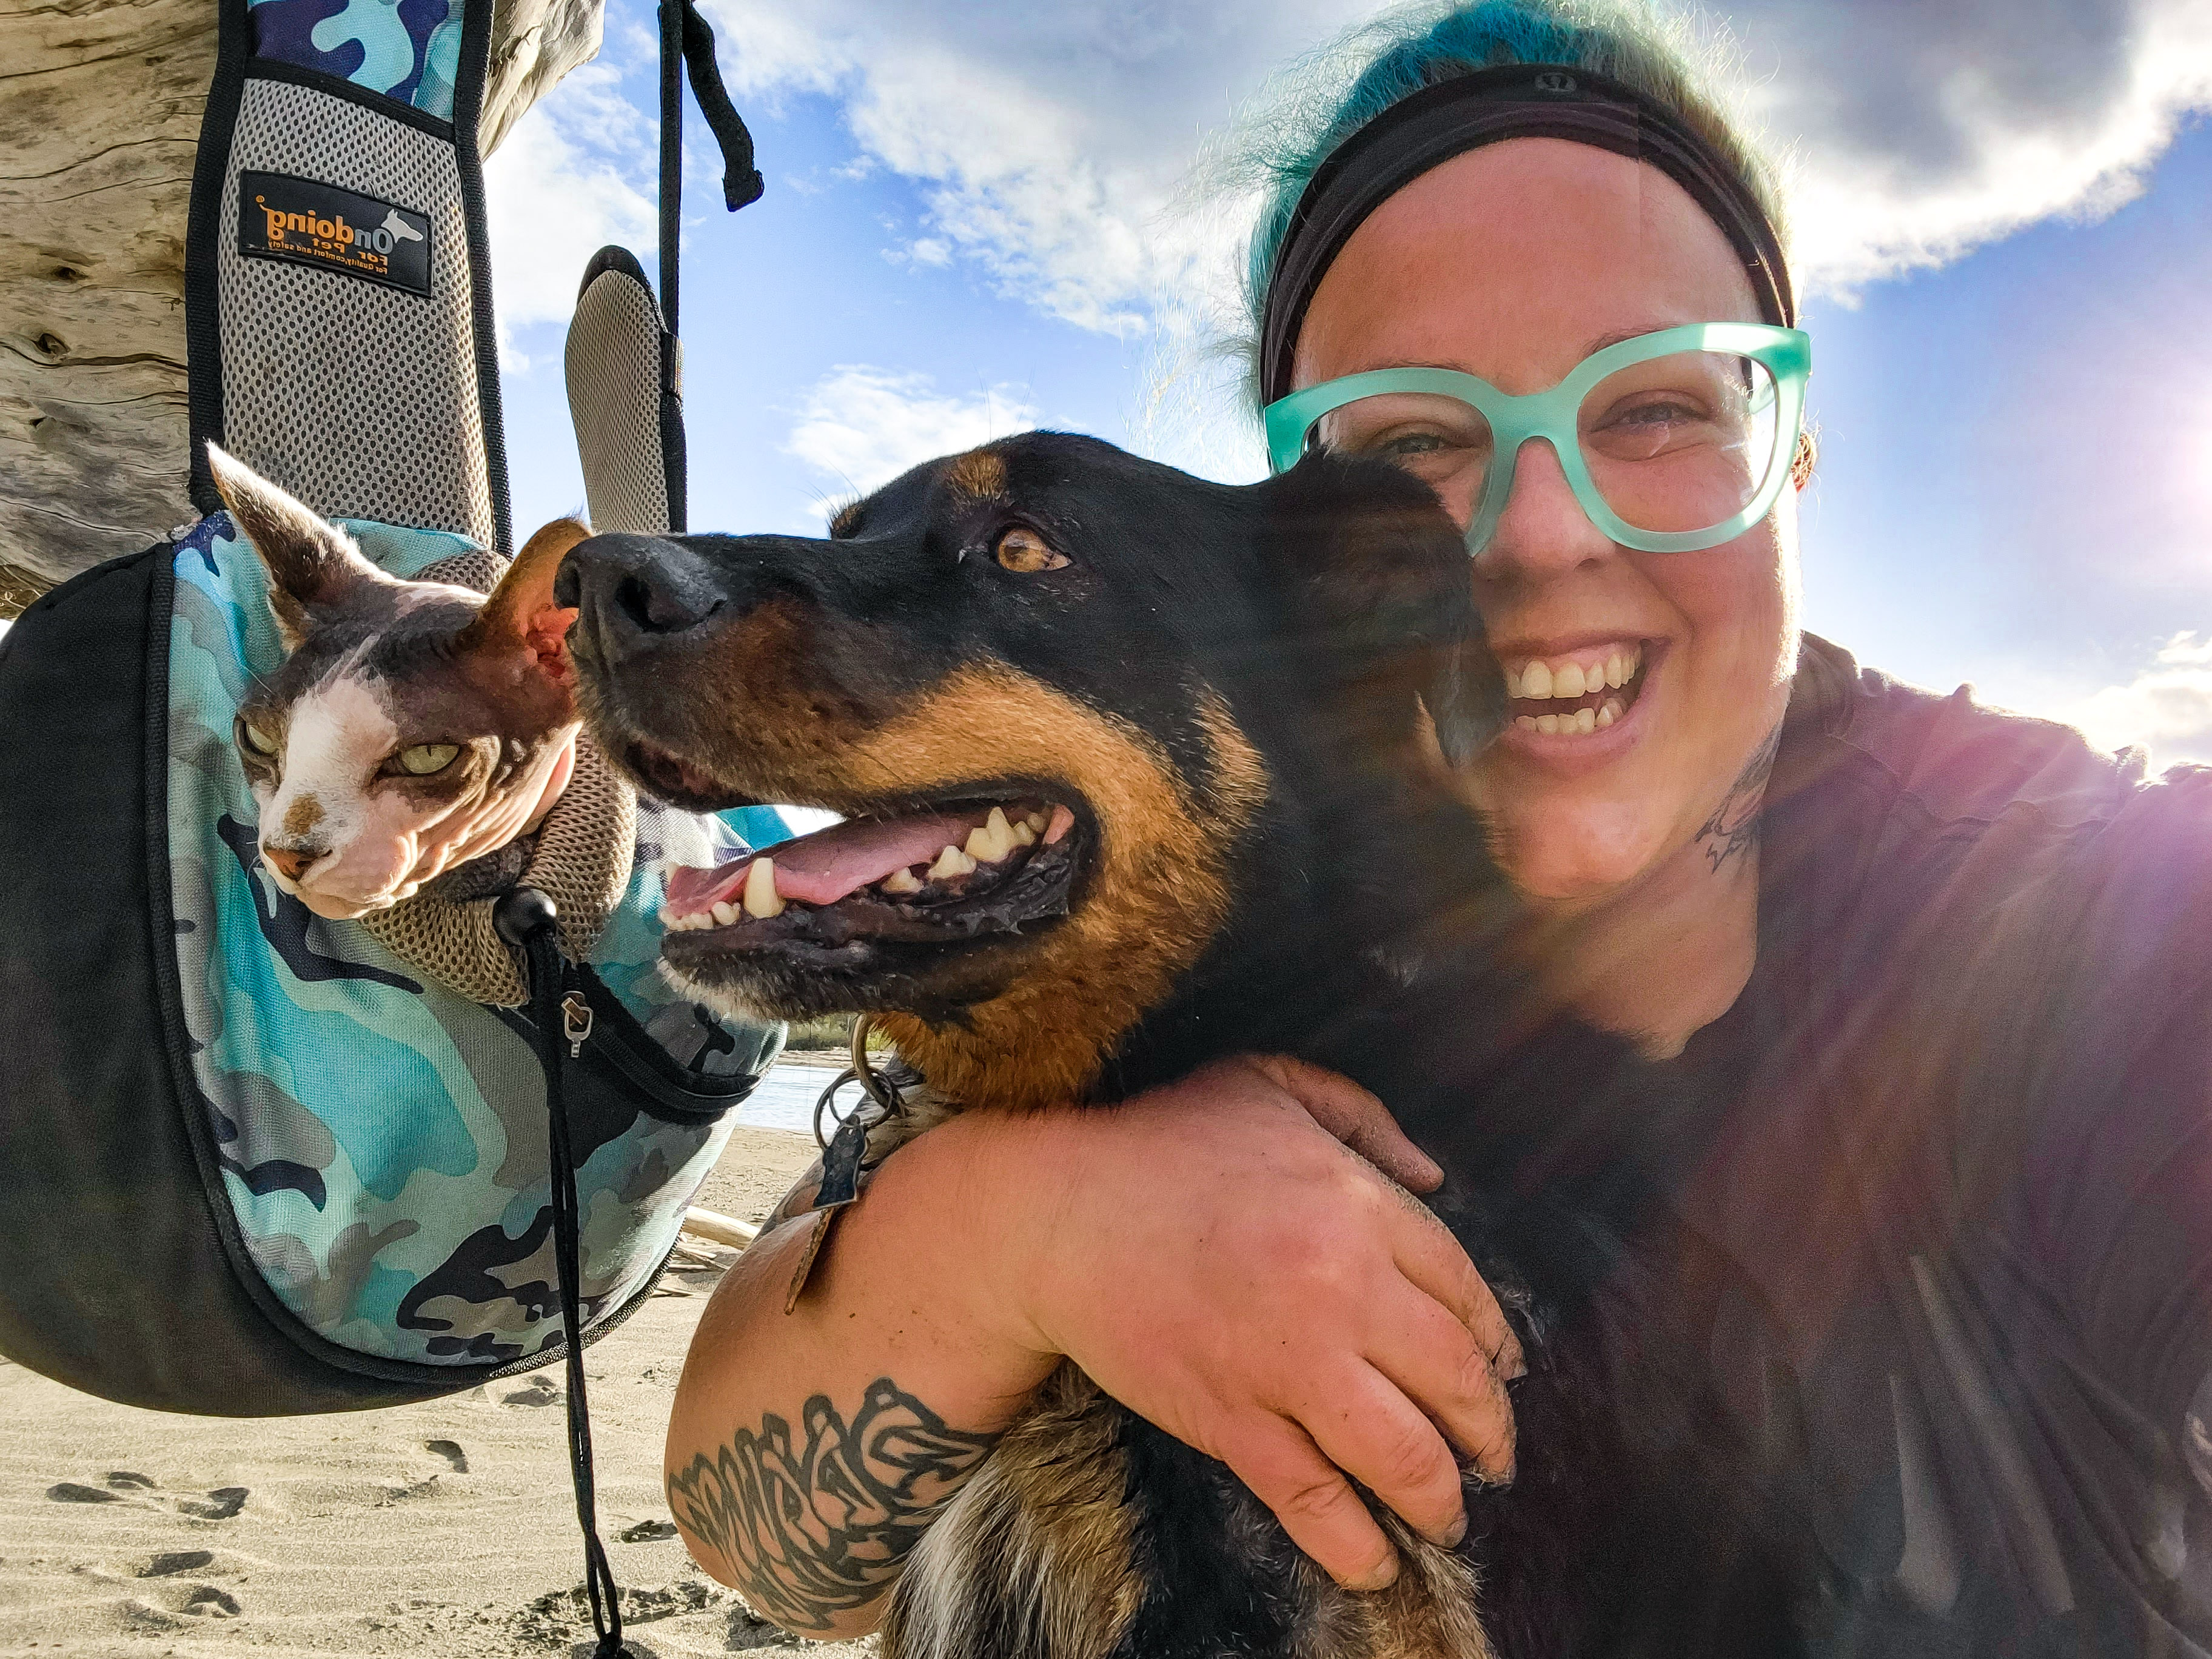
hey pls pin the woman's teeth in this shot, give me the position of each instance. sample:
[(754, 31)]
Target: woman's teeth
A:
[(1585, 679), (1574, 677)]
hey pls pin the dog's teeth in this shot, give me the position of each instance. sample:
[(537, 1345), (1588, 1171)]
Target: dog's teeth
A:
[(1023, 835), (761, 899), (950, 862), (1036, 821), (992, 840), (900, 881), (724, 913), (667, 918)]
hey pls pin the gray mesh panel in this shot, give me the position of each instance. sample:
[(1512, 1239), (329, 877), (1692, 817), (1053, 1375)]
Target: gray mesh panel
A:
[(361, 400), (613, 397)]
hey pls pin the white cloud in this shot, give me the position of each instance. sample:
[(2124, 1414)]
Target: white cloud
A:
[(2167, 708), (862, 425), (1048, 141), (573, 174), (1920, 132)]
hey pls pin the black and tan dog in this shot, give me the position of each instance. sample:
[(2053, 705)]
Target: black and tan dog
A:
[(1141, 771)]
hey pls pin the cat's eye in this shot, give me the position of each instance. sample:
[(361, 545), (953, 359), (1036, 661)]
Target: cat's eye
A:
[(255, 739), (425, 759), (1022, 550)]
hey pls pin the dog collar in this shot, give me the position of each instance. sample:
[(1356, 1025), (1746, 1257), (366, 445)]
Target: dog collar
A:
[(1521, 101)]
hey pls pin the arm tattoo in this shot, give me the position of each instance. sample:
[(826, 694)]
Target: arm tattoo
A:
[(823, 1529), (1733, 829)]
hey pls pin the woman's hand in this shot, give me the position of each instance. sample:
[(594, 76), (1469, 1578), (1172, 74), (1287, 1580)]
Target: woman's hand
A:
[(1211, 1254), (1212, 1258)]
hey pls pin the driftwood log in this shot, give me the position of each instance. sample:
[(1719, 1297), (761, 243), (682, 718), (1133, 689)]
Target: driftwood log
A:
[(99, 118)]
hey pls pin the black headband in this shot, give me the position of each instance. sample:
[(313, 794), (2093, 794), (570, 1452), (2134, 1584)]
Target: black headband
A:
[(1522, 100)]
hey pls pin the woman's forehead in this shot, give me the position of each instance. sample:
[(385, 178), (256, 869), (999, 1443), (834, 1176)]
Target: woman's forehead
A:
[(1514, 262)]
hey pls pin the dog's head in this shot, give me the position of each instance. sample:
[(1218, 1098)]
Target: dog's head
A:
[(415, 725), (1086, 716)]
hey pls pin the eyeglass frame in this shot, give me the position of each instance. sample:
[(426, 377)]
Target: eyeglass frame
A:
[(1553, 415)]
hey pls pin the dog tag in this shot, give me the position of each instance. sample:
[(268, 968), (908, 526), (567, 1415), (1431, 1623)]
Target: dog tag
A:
[(840, 1185)]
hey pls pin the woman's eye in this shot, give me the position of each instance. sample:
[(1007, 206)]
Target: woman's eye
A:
[(1022, 550), (427, 758), (255, 739), (1408, 443)]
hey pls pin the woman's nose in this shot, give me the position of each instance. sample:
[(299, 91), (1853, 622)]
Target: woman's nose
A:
[(1543, 531)]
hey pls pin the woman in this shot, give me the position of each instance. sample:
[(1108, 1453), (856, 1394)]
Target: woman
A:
[(1950, 973)]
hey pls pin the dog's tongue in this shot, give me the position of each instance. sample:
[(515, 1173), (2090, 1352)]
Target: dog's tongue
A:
[(824, 866)]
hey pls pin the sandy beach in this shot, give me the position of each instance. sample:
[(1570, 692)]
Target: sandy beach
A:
[(442, 1528)]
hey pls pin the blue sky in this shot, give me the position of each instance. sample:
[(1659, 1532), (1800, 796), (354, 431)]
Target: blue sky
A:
[(970, 228)]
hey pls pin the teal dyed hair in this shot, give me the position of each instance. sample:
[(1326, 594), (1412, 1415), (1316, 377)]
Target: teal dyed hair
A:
[(1315, 108)]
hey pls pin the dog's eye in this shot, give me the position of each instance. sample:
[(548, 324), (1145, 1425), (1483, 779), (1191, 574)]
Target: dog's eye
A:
[(255, 740), (1021, 550), (426, 758)]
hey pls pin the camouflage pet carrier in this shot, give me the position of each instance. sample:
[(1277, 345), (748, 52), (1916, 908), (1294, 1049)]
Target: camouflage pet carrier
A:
[(252, 1161)]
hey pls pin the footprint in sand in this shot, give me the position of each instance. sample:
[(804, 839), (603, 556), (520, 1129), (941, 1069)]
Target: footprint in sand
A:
[(220, 1505), (540, 1392), (451, 1451), (207, 1602), (171, 1562)]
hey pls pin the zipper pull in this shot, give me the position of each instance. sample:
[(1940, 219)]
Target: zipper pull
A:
[(575, 1022)]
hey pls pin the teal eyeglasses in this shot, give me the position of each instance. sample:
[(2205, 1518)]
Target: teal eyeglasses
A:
[(1671, 442)]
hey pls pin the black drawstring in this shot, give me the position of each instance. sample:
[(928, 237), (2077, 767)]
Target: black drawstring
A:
[(687, 42), (526, 918)]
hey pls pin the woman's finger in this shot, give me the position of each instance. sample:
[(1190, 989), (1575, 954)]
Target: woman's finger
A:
[(1431, 1359), (1354, 1116), (1432, 1258), (1369, 1429), (1313, 1500)]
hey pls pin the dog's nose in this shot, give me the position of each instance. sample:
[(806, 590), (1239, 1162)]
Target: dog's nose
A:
[(292, 862), (630, 589)]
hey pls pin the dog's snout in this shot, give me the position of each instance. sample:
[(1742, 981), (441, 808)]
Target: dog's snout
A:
[(631, 589)]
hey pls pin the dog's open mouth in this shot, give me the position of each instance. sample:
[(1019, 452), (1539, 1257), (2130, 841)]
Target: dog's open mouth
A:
[(942, 875)]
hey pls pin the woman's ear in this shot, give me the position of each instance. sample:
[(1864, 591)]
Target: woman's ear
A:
[(520, 622), (1381, 589), (313, 564), (1803, 459)]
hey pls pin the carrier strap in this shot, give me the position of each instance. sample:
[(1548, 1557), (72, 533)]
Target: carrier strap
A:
[(527, 918), (687, 41)]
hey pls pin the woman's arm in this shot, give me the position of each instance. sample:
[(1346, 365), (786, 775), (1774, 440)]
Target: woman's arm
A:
[(1211, 1254)]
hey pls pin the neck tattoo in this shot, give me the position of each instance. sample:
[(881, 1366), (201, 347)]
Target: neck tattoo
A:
[(1733, 829)]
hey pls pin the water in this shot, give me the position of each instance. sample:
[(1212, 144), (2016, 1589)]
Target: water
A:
[(786, 1098)]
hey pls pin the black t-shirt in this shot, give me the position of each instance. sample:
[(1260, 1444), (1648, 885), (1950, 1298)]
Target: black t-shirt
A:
[(1963, 1184)]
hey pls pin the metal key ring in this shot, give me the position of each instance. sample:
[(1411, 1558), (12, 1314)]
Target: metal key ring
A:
[(880, 1090)]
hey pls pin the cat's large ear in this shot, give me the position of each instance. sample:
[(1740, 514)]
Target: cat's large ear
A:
[(1381, 590), (520, 626), (313, 564)]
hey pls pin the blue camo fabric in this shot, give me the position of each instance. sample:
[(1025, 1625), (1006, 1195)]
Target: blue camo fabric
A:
[(409, 50), (382, 1141)]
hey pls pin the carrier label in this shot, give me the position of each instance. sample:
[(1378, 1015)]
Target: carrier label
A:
[(283, 217)]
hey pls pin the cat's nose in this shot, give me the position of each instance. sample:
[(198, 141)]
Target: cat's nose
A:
[(292, 862), (634, 589)]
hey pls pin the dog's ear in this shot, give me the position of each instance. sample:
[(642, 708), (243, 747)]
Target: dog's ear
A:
[(313, 564), (1380, 586), (521, 625)]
